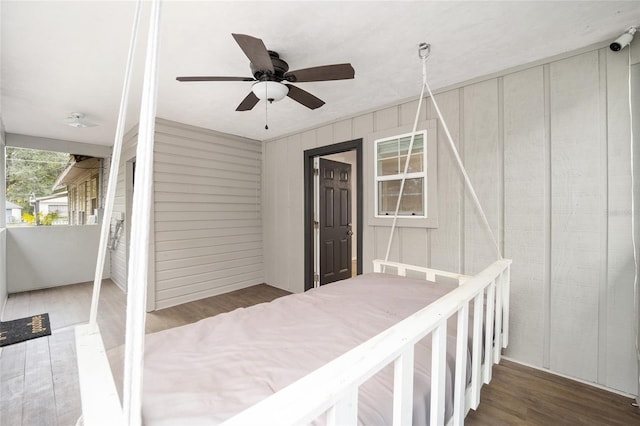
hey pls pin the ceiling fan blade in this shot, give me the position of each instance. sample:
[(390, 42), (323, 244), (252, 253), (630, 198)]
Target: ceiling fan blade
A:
[(208, 78), (322, 73), (304, 97), (256, 51), (248, 103)]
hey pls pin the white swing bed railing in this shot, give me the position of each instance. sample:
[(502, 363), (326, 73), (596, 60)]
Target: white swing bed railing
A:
[(333, 388)]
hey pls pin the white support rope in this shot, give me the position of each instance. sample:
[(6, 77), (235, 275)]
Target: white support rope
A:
[(423, 53), (113, 170), (634, 243), (140, 236), (472, 191)]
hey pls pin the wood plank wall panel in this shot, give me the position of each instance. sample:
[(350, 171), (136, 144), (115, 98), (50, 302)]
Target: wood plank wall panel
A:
[(281, 219), (275, 253), (545, 147), (619, 347), (413, 246), (295, 262), (342, 131), (386, 119), (413, 243), (445, 239), (269, 210), (526, 165), (382, 120), (576, 206), (407, 112), (363, 125), (381, 241), (208, 213), (481, 159)]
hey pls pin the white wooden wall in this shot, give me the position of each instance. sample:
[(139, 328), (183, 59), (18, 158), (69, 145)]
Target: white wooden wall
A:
[(118, 259), (547, 148), (207, 224)]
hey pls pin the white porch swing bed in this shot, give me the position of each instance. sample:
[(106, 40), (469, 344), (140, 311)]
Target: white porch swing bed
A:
[(402, 345)]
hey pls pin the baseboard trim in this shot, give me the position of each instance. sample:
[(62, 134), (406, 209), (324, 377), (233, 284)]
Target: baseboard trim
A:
[(585, 382), (192, 297)]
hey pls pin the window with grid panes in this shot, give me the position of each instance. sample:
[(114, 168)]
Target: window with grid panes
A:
[(391, 155)]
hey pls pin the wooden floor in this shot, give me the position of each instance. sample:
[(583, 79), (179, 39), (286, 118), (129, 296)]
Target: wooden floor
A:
[(39, 383), (38, 378), (519, 395)]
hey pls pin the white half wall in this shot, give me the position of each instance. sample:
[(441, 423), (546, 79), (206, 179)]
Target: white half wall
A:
[(50, 256), (547, 148)]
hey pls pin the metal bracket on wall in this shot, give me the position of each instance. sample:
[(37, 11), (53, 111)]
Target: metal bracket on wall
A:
[(114, 239)]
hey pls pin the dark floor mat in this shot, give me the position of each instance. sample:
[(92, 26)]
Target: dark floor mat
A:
[(22, 329)]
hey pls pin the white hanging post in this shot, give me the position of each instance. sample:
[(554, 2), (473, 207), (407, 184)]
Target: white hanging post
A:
[(476, 354), (113, 171), (488, 332), (438, 373), (139, 257), (345, 411), (460, 379), (403, 388)]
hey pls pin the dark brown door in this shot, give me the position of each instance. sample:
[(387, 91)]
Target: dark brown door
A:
[(335, 221)]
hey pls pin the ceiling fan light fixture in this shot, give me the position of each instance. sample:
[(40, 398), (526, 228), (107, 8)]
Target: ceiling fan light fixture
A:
[(76, 119), (270, 90)]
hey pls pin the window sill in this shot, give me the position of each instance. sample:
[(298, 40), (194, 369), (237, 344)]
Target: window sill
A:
[(404, 222)]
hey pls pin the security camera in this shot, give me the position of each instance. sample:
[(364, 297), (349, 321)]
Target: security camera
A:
[(624, 40)]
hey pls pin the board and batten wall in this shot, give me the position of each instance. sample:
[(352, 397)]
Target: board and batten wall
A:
[(547, 150), (207, 222)]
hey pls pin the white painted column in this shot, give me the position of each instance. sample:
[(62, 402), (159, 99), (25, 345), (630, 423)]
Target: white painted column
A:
[(139, 257)]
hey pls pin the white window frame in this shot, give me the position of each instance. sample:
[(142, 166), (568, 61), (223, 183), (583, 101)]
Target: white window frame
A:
[(431, 149), (398, 177)]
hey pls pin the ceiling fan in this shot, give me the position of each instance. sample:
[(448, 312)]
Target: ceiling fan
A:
[(272, 78), (77, 120)]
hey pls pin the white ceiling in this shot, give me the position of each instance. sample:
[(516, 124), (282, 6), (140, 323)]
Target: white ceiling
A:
[(60, 57)]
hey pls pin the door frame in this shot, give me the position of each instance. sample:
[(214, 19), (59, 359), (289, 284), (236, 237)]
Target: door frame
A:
[(309, 155)]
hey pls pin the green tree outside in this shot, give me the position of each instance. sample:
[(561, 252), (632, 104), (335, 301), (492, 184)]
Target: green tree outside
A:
[(31, 171)]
